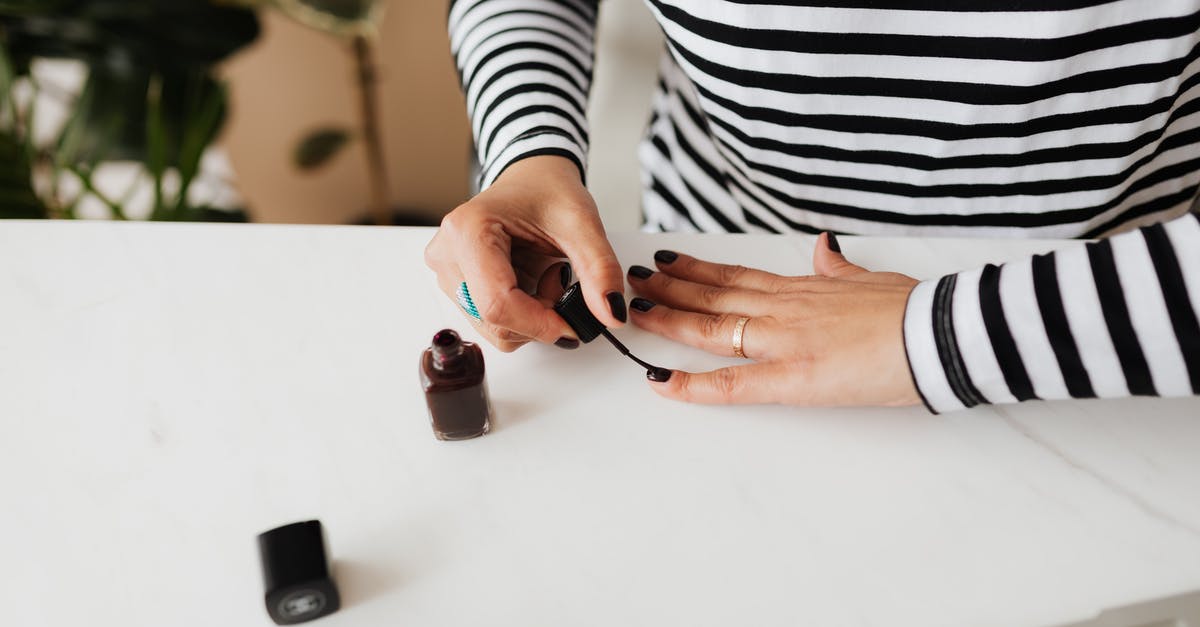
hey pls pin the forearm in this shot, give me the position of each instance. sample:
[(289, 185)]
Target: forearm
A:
[(526, 68), (1112, 318)]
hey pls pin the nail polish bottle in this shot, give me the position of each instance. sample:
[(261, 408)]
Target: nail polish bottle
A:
[(455, 391)]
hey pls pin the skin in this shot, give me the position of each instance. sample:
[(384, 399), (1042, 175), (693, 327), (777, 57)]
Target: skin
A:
[(510, 236), (834, 338)]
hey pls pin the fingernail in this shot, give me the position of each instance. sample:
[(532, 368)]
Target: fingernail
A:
[(567, 343), (658, 375), (616, 304), (564, 275), (833, 243), (640, 272), (666, 256), (641, 304)]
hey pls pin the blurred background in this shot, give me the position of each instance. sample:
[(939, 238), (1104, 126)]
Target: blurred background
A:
[(296, 111)]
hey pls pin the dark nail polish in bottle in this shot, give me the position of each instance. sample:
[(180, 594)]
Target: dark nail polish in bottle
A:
[(452, 375)]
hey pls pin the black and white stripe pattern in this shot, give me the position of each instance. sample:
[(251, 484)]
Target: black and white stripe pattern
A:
[(1112, 318), (526, 67), (996, 118)]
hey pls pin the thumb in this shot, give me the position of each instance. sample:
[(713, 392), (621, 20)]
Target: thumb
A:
[(598, 270), (828, 260)]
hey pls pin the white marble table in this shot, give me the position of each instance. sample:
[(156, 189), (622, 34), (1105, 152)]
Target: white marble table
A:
[(169, 391)]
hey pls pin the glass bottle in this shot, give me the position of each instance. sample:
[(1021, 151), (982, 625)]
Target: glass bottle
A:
[(455, 390)]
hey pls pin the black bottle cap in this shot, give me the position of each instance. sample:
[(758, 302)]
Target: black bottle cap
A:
[(296, 578), (574, 310)]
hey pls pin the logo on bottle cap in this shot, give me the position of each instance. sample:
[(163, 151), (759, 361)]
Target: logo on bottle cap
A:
[(301, 603)]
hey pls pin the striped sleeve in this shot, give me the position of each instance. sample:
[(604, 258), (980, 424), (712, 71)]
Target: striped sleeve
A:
[(526, 69), (1113, 318)]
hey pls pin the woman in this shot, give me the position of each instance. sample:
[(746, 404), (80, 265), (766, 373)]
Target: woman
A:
[(1076, 118)]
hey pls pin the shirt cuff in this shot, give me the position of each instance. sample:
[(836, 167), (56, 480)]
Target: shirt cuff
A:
[(930, 346), (545, 142)]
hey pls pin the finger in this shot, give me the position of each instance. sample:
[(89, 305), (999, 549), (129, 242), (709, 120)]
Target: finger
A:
[(710, 332), (829, 261), (503, 339), (751, 383), (551, 286), (595, 265), (487, 269), (527, 279), (700, 271), (530, 265), (687, 295), (553, 283)]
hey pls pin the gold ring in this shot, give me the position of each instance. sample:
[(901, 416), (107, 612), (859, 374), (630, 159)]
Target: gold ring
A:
[(739, 330)]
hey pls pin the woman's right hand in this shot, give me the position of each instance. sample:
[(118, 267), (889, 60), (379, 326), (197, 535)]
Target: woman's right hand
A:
[(517, 230)]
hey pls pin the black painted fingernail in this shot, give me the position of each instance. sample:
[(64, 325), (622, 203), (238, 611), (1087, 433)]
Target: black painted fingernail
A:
[(567, 343), (641, 304), (564, 275), (616, 304), (658, 375), (833, 243), (666, 256), (640, 272)]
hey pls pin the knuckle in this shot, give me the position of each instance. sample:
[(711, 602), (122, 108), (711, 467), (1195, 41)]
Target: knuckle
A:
[(798, 283), (726, 383), (468, 219), (711, 296), (579, 216), (431, 259), (496, 311), (713, 327), (505, 335), (538, 328), (604, 266), (683, 387), (505, 346), (731, 274), (778, 286), (453, 221), (690, 266), (503, 339)]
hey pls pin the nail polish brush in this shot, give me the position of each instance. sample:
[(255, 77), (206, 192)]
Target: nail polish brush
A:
[(574, 310)]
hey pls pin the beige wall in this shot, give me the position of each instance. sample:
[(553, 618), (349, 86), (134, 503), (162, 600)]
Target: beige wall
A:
[(294, 79)]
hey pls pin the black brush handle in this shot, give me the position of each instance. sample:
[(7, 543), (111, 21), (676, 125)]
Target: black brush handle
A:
[(574, 310)]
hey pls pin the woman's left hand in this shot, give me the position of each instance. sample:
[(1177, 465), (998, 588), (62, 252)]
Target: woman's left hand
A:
[(834, 338)]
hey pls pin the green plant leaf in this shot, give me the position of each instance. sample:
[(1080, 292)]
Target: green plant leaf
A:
[(107, 122), (7, 76), (17, 199), (156, 144), (97, 127), (319, 146), (29, 7), (148, 33), (204, 115)]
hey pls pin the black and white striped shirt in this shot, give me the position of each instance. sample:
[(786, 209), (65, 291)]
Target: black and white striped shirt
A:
[(991, 118)]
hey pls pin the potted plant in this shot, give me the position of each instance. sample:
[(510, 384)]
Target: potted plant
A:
[(149, 97)]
